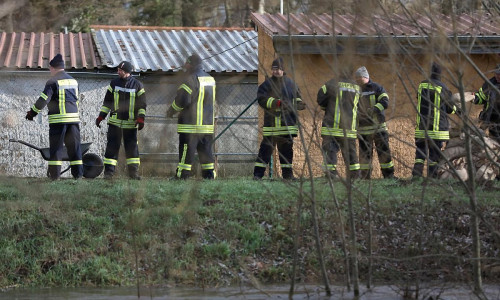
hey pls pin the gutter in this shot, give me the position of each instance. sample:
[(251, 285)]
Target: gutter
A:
[(403, 44), (47, 73)]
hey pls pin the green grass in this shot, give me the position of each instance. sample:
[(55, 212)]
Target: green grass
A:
[(208, 233)]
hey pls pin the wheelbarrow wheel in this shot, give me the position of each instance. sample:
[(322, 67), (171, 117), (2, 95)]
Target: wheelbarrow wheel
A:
[(92, 165)]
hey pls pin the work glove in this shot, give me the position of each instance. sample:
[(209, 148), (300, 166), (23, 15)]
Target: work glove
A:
[(30, 115), (139, 123), (301, 105), (278, 103), (98, 121)]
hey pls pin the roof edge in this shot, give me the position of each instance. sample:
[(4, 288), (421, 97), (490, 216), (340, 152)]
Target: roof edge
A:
[(322, 44), (146, 28)]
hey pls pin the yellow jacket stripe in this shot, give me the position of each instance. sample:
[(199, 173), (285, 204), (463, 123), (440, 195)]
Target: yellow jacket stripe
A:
[(125, 124), (280, 130), (190, 128), (186, 88), (175, 107), (435, 133), (105, 109), (338, 132), (64, 118), (365, 130)]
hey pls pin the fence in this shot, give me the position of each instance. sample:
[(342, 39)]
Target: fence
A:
[(235, 150), (158, 142)]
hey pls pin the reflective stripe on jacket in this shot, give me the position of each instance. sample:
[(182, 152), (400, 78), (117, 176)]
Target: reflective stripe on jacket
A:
[(60, 95), (125, 101), (339, 100), (490, 99), (280, 120), (195, 101), (433, 105), (371, 110)]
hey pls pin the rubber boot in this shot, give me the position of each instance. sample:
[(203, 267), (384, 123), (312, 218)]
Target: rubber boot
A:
[(133, 171), (418, 170), (109, 171), (208, 174)]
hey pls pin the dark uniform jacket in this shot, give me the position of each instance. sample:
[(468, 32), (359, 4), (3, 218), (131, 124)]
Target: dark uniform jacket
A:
[(491, 101), (371, 111), (433, 105), (125, 101), (339, 100), (60, 95), (282, 120), (195, 100)]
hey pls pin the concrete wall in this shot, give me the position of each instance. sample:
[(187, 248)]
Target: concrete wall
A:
[(400, 75), (18, 92)]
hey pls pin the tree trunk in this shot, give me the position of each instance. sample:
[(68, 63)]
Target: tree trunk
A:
[(189, 15), (476, 251), (262, 4), (8, 7), (227, 8)]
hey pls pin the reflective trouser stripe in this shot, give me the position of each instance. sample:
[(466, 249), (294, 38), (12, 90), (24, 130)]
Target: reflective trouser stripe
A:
[(75, 162), (330, 167), (364, 166), (208, 166), (55, 163), (110, 161), (134, 160), (387, 165), (182, 166)]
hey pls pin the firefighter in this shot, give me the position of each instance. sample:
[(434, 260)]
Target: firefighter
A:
[(194, 103), (372, 128), (125, 102), (339, 99), (280, 98), (60, 95), (432, 128), (488, 95)]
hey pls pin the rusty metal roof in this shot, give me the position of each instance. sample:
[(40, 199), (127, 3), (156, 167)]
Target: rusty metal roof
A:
[(166, 48), (413, 34), (34, 50), (393, 25)]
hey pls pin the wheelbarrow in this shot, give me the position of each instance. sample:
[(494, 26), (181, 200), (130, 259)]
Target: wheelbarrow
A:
[(92, 163)]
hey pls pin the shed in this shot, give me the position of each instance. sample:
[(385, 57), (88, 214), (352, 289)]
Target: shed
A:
[(157, 53), (397, 51)]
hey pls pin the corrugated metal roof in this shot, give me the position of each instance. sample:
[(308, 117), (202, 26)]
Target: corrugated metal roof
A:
[(35, 50), (393, 25), (166, 48)]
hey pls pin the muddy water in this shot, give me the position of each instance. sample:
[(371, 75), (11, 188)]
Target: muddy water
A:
[(443, 291)]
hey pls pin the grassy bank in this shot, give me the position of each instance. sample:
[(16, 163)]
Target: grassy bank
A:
[(154, 231)]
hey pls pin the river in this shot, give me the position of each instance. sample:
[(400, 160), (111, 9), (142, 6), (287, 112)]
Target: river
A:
[(444, 291)]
